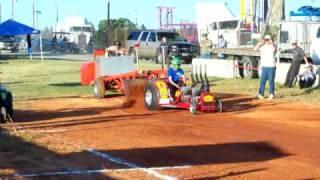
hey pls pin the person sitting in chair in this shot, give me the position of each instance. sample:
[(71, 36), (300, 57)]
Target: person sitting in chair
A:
[(176, 77), (307, 78)]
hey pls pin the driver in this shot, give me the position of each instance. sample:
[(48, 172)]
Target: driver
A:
[(176, 77)]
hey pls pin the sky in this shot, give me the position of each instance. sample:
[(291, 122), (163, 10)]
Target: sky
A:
[(145, 11)]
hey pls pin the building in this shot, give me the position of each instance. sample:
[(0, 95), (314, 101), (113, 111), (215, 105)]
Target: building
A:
[(74, 29)]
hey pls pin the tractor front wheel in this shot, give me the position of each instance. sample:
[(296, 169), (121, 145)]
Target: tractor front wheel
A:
[(151, 97), (219, 105), (193, 107), (99, 88)]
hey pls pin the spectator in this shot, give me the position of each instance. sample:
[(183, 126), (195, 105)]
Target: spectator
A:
[(268, 65), (307, 78), (205, 45), (29, 44), (222, 43), (163, 49), (298, 55)]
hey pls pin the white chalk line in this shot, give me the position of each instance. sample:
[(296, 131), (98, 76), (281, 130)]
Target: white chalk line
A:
[(150, 171), (42, 131), (81, 172)]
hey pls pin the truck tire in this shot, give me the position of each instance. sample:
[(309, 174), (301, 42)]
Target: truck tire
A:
[(99, 88), (249, 66), (188, 60), (151, 97)]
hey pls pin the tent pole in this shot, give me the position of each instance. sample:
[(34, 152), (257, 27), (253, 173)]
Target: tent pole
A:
[(41, 52)]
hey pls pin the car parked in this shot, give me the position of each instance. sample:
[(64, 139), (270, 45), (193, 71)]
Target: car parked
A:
[(149, 42), (8, 44)]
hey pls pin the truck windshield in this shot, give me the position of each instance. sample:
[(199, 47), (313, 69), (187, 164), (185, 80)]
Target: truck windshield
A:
[(228, 25), (170, 36)]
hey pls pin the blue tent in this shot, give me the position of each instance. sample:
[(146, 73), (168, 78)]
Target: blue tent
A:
[(12, 28)]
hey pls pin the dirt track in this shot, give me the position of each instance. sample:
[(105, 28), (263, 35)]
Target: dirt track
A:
[(251, 140)]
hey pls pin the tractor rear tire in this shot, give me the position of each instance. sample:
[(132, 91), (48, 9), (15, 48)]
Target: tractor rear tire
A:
[(151, 97), (99, 88), (219, 105)]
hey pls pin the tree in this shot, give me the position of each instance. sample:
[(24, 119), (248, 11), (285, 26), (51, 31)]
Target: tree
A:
[(118, 31), (47, 33), (91, 24), (143, 27)]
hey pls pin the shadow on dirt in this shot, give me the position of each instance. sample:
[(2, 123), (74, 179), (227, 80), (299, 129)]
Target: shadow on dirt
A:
[(201, 154), (13, 83), (77, 122), (70, 84), (30, 119), (19, 156), (26, 157), (232, 174), (32, 115), (239, 103)]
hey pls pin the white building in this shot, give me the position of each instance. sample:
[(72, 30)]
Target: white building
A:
[(75, 30)]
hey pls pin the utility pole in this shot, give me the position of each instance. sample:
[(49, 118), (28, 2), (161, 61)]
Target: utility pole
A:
[(12, 8), (37, 14), (108, 22), (0, 13), (57, 17), (108, 9), (33, 13), (136, 17)]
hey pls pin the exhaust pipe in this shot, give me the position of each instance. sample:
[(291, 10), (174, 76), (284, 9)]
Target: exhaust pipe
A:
[(206, 78), (197, 77), (201, 78), (193, 82)]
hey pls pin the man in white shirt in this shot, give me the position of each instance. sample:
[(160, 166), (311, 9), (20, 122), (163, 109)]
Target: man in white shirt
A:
[(268, 65)]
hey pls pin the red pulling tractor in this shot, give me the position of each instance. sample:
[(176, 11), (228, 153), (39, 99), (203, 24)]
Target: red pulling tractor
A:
[(114, 73)]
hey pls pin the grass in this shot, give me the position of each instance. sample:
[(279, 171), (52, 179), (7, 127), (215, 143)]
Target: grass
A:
[(32, 79), (56, 78)]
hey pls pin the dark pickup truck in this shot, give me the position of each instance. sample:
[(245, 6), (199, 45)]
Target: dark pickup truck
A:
[(149, 42)]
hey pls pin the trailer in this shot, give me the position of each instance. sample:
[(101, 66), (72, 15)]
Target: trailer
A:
[(306, 33), (111, 73)]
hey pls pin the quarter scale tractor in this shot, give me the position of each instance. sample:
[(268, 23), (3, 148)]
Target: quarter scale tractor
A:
[(195, 97)]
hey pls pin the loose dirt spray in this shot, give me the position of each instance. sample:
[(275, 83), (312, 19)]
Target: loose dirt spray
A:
[(134, 94)]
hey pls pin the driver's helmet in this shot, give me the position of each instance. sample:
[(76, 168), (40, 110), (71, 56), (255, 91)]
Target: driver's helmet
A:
[(176, 62)]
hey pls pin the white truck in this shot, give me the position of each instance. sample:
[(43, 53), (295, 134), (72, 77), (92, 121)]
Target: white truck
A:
[(241, 40), (306, 33)]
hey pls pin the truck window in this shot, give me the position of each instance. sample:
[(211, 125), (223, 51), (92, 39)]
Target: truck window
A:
[(144, 36), (134, 36), (284, 37), (228, 25), (171, 36), (152, 37)]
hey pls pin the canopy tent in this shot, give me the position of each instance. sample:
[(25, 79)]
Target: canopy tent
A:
[(14, 28)]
